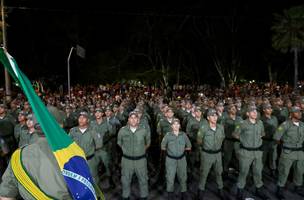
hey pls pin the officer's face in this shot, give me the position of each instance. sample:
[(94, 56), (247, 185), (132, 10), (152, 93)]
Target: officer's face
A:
[(30, 123), (98, 115), (26, 105), (2, 110), (169, 113), (289, 104), (133, 120), (188, 106), (108, 113), (252, 114), (297, 115), (115, 109), (268, 111), (21, 118), (220, 108), (83, 120), (212, 118), (175, 126), (232, 110), (198, 113)]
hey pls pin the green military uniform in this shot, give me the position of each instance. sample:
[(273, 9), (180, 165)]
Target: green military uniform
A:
[(176, 163), (133, 145), (102, 131), (221, 118), (163, 127), (86, 140), (230, 144), (292, 136), (269, 145), (7, 125), (17, 131), (250, 153), (27, 138), (144, 122), (192, 129), (69, 121), (42, 167), (280, 113), (211, 153)]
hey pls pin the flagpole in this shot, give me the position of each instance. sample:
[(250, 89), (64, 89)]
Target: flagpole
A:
[(69, 77), (8, 92)]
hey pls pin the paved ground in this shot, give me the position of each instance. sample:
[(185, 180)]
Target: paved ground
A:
[(158, 193)]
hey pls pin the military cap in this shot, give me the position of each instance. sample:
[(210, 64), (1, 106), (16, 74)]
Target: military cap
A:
[(251, 108), (266, 106), (33, 118), (211, 112), (198, 108), (219, 104), (137, 110), (295, 109), (23, 113), (133, 113), (3, 105), (175, 120), (83, 113), (169, 109), (108, 108), (99, 110), (229, 106)]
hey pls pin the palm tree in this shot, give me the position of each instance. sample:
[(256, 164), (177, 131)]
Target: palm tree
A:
[(288, 34)]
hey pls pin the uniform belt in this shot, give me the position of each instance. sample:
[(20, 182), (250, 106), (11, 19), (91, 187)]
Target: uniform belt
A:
[(268, 139), (211, 151), (293, 148), (232, 139), (251, 148), (134, 157), (90, 157), (176, 157)]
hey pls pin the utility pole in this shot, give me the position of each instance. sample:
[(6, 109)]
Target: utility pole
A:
[(8, 92), (69, 76)]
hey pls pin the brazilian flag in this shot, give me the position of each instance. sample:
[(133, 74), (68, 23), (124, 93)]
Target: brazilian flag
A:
[(70, 157)]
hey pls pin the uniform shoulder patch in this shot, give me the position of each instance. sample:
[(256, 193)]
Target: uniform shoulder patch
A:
[(280, 128)]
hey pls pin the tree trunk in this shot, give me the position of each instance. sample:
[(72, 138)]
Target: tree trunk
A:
[(296, 65), (270, 72)]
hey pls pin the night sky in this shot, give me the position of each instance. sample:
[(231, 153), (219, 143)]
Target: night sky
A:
[(41, 33)]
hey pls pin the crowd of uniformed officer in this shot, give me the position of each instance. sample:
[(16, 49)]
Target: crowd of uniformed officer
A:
[(147, 136)]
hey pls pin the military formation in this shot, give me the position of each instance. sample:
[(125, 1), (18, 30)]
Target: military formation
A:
[(135, 137)]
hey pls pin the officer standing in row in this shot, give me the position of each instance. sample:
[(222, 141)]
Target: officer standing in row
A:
[(211, 136), (102, 130), (193, 125), (30, 134), (290, 134), (21, 126), (83, 135), (134, 141), (231, 145), (175, 143), (250, 133), (270, 123)]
